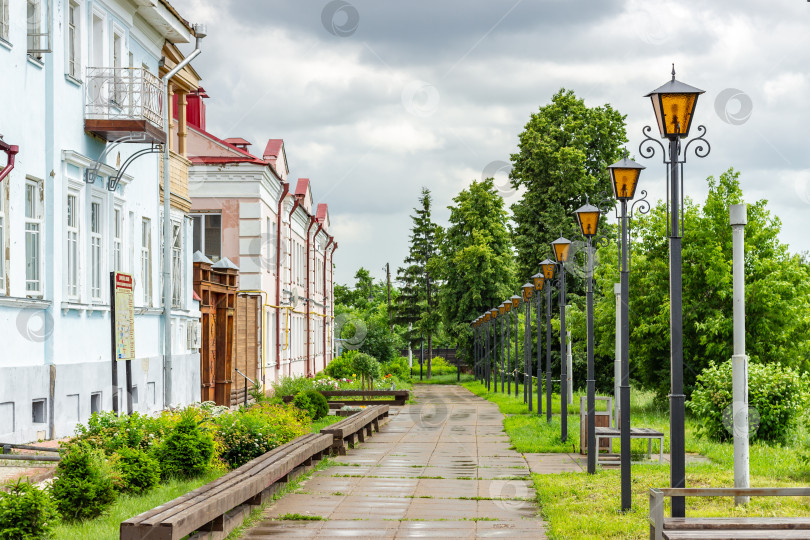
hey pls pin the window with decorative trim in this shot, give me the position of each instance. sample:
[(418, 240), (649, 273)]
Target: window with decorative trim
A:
[(146, 260), (177, 265), (72, 245), (207, 235), (4, 20), (74, 43), (33, 237), (118, 239), (96, 249)]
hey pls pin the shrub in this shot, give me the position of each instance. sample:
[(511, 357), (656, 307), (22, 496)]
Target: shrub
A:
[(26, 512), (368, 368), (187, 450), (325, 383), (342, 367), (776, 395), (440, 366), (318, 406), (290, 386), (398, 367), (83, 487), (249, 433), (109, 432), (137, 472)]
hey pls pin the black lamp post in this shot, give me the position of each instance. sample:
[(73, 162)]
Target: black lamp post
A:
[(624, 176), (508, 373), (537, 279), (527, 291), (488, 318), (562, 246), (674, 105), (548, 267), (502, 312), (588, 219), (495, 313), (515, 300)]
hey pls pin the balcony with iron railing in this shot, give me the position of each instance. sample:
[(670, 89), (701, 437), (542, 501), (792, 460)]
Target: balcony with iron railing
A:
[(123, 103)]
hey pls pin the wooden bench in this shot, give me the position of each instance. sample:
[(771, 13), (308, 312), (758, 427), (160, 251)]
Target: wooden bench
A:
[(218, 506), (397, 397), (357, 425), (635, 433), (759, 528)]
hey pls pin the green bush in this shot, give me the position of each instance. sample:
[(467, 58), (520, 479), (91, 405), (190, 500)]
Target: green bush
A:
[(109, 432), (249, 433), (368, 368), (188, 449), (290, 386), (440, 366), (137, 472), (777, 397), (319, 407), (342, 367), (398, 367), (26, 512), (83, 486)]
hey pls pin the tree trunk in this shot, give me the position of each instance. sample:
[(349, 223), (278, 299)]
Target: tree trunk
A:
[(430, 353)]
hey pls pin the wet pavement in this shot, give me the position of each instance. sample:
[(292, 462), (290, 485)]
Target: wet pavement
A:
[(440, 468)]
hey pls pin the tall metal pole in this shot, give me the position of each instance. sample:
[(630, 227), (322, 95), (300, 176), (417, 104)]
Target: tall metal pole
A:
[(624, 388), (548, 353), (502, 353), (563, 363), (617, 362), (508, 357), (487, 354), (591, 383), (739, 362), (517, 380), (676, 397), (527, 331), (539, 363)]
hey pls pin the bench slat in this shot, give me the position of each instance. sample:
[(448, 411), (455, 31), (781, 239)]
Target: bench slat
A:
[(752, 523), (736, 534)]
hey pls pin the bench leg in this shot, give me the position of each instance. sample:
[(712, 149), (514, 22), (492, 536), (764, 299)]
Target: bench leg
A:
[(376, 424), (361, 436), (661, 450), (369, 430), (649, 448)]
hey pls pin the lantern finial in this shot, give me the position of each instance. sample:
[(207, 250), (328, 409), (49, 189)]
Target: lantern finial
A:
[(673, 71)]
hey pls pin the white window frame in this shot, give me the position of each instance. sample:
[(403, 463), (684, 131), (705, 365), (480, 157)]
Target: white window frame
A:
[(177, 264), (95, 245), (73, 37), (146, 260), (118, 227), (4, 21), (73, 231), (34, 226), (3, 234), (118, 50), (203, 217)]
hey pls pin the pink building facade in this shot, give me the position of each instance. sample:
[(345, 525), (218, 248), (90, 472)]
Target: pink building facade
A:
[(245, 207)]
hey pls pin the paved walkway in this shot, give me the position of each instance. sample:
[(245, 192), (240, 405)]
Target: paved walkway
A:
[(441, 468)]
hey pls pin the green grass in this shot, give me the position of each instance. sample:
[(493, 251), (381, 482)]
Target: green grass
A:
[(577, 505), (299, 517), (449, 378), (108, 525), (318, 425)]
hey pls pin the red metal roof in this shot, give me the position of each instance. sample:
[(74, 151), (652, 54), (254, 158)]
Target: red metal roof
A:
[(273, 148), (213, 160), (236, 141), (321, 212), (301, 187), (224, 143)]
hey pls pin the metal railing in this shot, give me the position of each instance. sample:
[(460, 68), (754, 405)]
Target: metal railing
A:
[(123, 94)]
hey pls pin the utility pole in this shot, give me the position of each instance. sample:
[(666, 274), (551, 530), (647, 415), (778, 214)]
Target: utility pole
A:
[(739, 361), (388, 280)]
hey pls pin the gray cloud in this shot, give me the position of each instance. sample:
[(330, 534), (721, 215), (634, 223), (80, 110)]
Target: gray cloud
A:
[(273, 70)]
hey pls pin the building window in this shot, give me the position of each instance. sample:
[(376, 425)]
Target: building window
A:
[(33, 238), (117, 63), (177, 266), (2, 237), (208, 235), (74, 48), (34, 25), (96, 244), (72, 246), (4, 20), (118, 239), (146, 260)]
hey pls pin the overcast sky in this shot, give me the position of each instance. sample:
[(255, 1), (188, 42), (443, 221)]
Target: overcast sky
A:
[(375, 99)]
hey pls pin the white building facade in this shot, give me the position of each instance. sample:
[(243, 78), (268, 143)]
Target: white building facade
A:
[(78, 75), (246, 209)]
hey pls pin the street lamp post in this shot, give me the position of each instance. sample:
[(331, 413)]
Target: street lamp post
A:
[(588, 219), (562, 247), (515, 306), (674, 105), (548, 267), (493, 370), (537, 279), (528, 291), (624, 176), (508, 349), (502, 311)]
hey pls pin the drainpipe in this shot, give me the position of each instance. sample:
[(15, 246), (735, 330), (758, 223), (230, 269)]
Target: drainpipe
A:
[(285, 188), (11, 151), (289, 229), (325, 249), (309, 228), (332, 285), (200, 32)]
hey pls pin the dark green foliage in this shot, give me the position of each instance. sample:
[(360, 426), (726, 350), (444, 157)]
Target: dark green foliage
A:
[(397, 367), (368, 369), (777, 398), (476, 263), (26, 512), (83, 487), (313, 403), (342, 367), (563, 154), (110, 432), (250, 432), (188, 448), (137, 472)]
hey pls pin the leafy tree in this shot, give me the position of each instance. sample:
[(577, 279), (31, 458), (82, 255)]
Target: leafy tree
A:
[(777, 291), (475, 261), (563, 154), (419, 285)]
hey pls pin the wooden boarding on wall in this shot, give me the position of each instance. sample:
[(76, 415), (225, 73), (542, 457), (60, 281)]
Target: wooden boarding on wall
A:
[(246, 344)]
